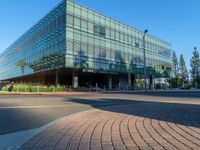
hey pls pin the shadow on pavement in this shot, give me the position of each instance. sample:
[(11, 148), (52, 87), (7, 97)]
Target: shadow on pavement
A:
[(183, 114), (182, 94)]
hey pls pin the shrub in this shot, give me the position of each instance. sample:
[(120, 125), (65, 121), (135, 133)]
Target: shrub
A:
[(29, 87), (186, 87), (158, 86)]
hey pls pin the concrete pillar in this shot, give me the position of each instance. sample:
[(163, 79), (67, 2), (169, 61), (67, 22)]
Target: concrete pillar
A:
[(151, 82), (74, 79), (123, 81), (110, 82), (129, 80), (57, 81)]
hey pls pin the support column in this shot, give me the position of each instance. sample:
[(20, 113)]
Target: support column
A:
[(74, 79), (134, 81), (129, 80), (151, 82), (110, 82), (123, 81)]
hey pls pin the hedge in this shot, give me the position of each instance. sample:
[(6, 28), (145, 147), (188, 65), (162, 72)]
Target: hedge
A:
[(23, 87)]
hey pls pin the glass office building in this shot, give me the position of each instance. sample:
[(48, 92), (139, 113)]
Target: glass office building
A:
[(74, 45)]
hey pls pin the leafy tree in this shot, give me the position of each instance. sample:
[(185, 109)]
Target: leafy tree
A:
[(183, 71), (195, 68), (22, 64)]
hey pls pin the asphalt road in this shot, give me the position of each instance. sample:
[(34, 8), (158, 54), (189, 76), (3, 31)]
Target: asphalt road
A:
[(19, 113)]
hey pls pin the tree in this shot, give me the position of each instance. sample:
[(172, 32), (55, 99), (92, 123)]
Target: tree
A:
[(195, 68), (175, 71), (22, 64), (183, 71)]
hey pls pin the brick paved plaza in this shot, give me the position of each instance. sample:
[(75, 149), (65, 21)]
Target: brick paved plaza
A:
[(141, 125)]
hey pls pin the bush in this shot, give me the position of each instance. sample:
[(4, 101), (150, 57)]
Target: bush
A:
[(186, 87), (158, 86), (28, 87)]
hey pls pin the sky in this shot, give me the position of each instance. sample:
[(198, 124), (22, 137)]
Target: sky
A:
[(175, 21)]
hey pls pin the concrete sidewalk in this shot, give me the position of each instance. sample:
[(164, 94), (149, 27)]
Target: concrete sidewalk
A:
[(147, 125)]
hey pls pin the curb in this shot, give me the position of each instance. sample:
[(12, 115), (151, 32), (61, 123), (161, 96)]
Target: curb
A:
[(50, 94)]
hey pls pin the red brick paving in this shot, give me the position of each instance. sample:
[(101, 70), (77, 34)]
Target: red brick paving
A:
[(145, 126)]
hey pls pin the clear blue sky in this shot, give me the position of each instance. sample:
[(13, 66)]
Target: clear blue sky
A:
[(176, 21)]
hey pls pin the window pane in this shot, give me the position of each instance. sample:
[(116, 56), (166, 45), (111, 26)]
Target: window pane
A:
[(76, 23), (90, 27), (70, 20), (84, 25)]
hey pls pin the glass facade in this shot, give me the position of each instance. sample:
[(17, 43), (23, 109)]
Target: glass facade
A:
[(43, 47), (73, 36), (101, 43)]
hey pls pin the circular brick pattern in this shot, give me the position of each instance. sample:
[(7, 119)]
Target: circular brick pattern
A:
[(147, 125)]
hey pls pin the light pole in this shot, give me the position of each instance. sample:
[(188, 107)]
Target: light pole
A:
[(145, 69)]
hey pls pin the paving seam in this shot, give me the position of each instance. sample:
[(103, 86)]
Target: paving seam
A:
[(126, 116), (164, 129), (136, 122), (151, 124), (170, 125), (86, 130), (128, 127), (66, 127), (76, 130), (143, 122), (126, 134), (111, 131), (193, 123), (181, 130), (101, 136), (119, 120), (159, 116), (70, 130), (42, 135), (90, 141), (185, 129), (79, 129), (166, 116)]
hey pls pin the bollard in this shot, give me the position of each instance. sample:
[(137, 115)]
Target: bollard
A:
[(90, 88), (96, 87), (70, 88)]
